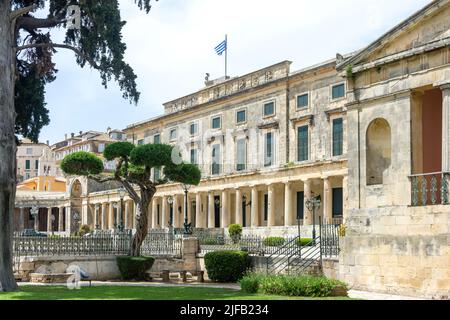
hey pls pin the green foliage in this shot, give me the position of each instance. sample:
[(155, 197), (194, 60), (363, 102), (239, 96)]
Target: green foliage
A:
[(235, 231), (118, 150), (342, 230), (304, 241), (299, 286), (82, 231), (349, 72), (134, 268), (185, 173), (81, 163), (274, 241), (226, 266), (152, 155)]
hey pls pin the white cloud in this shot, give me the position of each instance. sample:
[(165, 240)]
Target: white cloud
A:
[(171, 49)]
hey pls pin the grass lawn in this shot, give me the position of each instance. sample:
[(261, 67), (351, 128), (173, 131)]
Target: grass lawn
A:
[(138, 293)]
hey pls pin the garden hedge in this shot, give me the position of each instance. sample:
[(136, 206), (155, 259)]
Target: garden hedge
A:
[(134, 268), (226, 266)]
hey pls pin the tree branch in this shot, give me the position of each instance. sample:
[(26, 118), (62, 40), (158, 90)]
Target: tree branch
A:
[(63, 46), (20, 12), (30, 23)]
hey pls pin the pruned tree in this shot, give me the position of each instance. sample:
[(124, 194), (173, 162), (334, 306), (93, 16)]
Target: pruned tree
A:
[(26, 66), (134, 165)]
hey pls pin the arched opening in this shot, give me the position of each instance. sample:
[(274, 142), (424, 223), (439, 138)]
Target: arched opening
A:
[(378, 151)]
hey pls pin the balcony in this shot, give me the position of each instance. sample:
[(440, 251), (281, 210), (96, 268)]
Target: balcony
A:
[(430, 189)]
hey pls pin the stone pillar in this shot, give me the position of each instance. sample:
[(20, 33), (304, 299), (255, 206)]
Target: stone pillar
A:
[(111, 216), (36, 221), (199, 221), (126, 217), (49, 220), (21, 218), (238, 209), (61, 219), (164, 213), (155, 213), (176, 213), (289, 214), (104, 216), (225, 209), (254, 209), (97, 216), (307, 194), (85, 213), (271, 216), (327, 201), (68, 219), (134, 209), (211, 215), (345, 197)]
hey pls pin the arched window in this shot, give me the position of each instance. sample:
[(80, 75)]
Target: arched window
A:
[(378, 151)]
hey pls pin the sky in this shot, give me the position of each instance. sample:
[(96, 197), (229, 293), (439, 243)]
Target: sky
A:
[(172, 48)]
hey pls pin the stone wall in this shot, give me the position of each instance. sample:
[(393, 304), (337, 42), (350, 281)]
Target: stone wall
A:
[(401, 250)]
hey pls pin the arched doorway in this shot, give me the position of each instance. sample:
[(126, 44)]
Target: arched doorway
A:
[(378, 151)]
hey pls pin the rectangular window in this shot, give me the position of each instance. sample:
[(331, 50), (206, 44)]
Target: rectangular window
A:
[(173, 134), (269, 109), (300, 205), (268, 150), (338, 137), (241, 116), (216, 123), (241, 154), (302, 143), (156, 174), (266, 206), (215, 167), (36, 164), (193, 129), (194, 156), (338, 203), (140, 142), (101, 147), (157, 139), (303, 101), (338, 91), (27, 165)]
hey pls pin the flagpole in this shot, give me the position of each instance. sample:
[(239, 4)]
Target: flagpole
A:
[(226, 56)]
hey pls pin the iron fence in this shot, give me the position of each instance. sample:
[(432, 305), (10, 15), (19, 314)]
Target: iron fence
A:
[(430, 189), (162, 244)]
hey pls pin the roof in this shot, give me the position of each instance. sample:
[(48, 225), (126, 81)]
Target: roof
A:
[(392, 33)]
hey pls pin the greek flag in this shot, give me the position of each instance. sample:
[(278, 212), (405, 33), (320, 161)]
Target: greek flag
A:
[(221, 47)]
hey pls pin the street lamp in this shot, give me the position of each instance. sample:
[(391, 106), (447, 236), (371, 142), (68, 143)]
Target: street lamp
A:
[(187, 225), (53, 223), (170, 201), (34, 213), (313, 205), (122, 193), (97, 216)]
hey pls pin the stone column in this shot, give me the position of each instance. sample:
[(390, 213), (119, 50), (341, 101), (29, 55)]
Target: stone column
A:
[(111, 216), (126, 217), (225, 209), (446, 127), (164, 213), (36, 221), (96, 213), (199, 221), (104, 216), (211, 216), (307, 194), (155, 213), (345, 198), (238, 209), (176, 213), (85, 213), (68, 220), (21, 218), (61, 219), (49, 220), (289, 214), (254, 209), (327, 201), (271, 216)]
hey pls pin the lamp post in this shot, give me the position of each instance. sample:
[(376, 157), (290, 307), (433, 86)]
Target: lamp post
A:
[(35, 213), (122, 193), (187, 225), (76, 218), (313, 204), (53, 224), (97, 216), (170, 202)]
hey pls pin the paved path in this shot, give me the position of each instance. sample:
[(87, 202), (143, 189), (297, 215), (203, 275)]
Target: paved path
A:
[(355, 294)]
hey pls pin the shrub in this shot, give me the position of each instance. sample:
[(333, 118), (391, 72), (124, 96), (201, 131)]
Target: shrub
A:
[(226, 266), (274, 241), (134, 268), (304, 241), (82, 231), (235, 231), (300, 286)]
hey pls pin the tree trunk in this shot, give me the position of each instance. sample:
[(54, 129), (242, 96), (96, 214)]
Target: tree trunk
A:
[(141, 227), (7, 149)]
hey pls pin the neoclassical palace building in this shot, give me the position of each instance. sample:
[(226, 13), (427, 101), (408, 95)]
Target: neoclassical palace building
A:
[(369, 132)]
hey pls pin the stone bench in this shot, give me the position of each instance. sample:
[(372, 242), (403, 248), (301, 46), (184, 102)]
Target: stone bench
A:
[(165, 275)]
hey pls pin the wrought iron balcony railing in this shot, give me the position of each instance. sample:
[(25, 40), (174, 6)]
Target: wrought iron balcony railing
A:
[(430, 189)]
